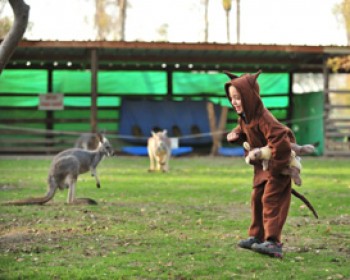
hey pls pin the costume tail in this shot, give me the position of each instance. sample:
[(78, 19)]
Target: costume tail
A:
[(307, 203), (33, 200)]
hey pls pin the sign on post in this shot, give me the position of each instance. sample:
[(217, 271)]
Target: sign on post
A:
[(51, 101)]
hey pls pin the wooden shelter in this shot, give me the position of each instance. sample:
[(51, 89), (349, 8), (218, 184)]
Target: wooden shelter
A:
[(170, 58)]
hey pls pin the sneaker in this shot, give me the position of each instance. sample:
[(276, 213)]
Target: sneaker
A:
[(270, 248), (248, 243)]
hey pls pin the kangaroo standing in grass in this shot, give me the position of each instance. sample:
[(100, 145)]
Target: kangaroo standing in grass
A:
[(159, 151), (65, 169)]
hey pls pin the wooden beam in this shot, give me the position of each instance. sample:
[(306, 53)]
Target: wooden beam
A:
[(326, 101), (216, 131), (290, 109), (94, 70), (212, 126), (169, 76)]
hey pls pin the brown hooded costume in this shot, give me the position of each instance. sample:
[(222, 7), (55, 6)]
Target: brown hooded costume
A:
[(271, 194)]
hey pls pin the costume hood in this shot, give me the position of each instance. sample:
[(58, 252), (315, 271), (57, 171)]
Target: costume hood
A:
[(249, 89)]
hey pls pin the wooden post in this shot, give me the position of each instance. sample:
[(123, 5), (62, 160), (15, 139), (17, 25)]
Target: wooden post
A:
[(291, 101), (216, 130), (49, 113), (169, 75), (222, 123), (326, 104), (212, 125), (94, 70)]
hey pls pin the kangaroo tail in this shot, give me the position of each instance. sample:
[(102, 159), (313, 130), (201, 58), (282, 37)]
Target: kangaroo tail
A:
[(33, 200), (307, 202), (83, 200)]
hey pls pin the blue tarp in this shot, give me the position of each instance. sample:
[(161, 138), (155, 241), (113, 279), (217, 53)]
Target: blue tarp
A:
[(231, 152), (142, 151), (182, 119)]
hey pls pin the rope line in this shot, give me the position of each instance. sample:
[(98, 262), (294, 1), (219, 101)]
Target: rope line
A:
[(132, 137)]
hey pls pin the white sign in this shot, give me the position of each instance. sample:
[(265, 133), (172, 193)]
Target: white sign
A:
[(51, 101), (174, 143)]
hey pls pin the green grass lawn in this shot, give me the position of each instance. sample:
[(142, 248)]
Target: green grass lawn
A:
[(181, 225)]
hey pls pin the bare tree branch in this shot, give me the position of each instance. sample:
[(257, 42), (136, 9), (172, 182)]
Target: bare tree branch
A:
[(11, 40)]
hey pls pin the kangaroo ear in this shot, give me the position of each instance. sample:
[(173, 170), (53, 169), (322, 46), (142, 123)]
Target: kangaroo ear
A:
[(100, 136), (230, 75), (153, 133), (165, 132)]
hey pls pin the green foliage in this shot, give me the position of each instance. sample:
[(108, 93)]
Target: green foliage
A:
[(181, 225)]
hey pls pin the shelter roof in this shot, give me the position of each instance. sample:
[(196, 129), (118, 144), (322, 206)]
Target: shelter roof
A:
[(121, 55)]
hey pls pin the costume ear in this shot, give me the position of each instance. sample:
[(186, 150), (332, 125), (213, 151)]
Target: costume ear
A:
[(153, 133), (254, 77), (165, 132), (230, 75)]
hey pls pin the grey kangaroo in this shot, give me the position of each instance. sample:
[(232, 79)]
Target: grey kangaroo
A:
[(88, 141), (65, 169)]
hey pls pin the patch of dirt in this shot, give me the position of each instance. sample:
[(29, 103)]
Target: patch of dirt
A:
[(6, 187), (341, 220), (16, 241), (331, 241), (14, 237)]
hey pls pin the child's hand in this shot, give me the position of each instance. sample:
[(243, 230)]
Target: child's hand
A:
[(232, 136)]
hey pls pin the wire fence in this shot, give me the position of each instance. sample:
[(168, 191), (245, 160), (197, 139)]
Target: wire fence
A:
[(133, 137)]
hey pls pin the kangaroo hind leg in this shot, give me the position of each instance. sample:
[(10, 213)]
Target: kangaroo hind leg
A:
[(71, 182), (71, 199)]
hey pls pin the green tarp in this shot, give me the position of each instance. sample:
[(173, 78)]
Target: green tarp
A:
[(130, 82), (27, 82), (194, 83), (308, 119)]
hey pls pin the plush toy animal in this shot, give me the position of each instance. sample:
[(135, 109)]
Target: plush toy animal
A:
[(294, 168), (159, 151)]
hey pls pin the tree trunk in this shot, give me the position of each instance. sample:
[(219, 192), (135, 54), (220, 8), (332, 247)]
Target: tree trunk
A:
[(206, 22), (228, 26), (11, 40), (122, 17), (238, 21)]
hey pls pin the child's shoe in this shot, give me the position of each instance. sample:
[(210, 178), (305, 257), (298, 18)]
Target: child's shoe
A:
[(270, 248), (248, 243)]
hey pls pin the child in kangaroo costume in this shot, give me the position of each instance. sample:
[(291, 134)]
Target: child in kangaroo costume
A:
[(272, 190)]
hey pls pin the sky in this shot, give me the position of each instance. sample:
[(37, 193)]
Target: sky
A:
[(295, 22)]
